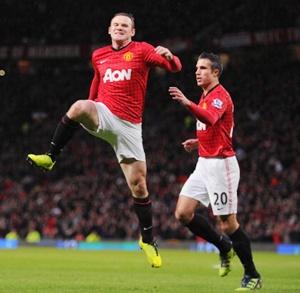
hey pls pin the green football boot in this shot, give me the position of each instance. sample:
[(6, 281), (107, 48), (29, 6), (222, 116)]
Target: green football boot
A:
[(152, 253), (44, 161), (225, 265)]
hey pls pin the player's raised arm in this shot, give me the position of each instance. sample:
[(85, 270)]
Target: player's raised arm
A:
[(165, 52), (174, 62), (203, 115), (163, 57)]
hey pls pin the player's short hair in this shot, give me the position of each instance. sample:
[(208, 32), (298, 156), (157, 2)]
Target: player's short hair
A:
[(127, 14), (214, 59)]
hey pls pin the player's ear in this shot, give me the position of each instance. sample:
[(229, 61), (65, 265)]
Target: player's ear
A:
[(133, 32), (109, 30), (216, 72)]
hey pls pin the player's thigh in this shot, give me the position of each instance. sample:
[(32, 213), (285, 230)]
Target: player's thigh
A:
[(84, 112), (185, 207), (134, 171), (195, 187), (125, 137), (222, 183), (130, 143)]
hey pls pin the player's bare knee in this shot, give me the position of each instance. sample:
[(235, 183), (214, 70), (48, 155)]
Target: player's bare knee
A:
[(183, 216), (139, 187), (77, 110), (224, 227), (140, 191), (230, 229), (229, 224)]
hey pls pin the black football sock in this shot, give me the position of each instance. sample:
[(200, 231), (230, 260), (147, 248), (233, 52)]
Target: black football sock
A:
[(143, 209), (242, 247), (63, 133), (201, 227)]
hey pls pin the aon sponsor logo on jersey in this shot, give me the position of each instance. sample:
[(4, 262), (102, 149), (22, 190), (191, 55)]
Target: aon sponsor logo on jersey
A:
[(117, 75), (200, 125)]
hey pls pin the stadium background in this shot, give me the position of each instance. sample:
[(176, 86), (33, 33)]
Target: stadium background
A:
[(44, 66)]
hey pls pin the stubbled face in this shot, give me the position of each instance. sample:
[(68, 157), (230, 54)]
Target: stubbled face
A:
[(205, 75), (121, 29)]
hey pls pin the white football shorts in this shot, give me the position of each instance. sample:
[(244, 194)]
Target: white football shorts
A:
[(215, 182), (125, 137)]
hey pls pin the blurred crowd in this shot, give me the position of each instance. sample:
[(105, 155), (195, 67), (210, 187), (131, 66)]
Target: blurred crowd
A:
[(86, 192)]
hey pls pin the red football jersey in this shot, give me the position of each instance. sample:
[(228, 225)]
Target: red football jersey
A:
[(121, 77), (216, 140)]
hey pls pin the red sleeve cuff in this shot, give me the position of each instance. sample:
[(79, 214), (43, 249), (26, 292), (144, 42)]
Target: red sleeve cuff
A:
[(175, 64)]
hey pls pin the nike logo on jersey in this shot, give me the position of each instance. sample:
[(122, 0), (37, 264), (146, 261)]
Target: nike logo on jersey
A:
[(117, 75), (102, 61), (147, 228)]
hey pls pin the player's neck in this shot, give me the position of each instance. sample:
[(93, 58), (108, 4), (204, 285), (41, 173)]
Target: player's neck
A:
[(209, 87), (120, 45)]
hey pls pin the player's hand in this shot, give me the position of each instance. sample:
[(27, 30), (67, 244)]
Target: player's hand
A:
[(190, 144), (178, 96), (165, 52)]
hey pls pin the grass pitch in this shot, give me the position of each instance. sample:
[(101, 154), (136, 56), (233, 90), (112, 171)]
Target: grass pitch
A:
[(48, 270)]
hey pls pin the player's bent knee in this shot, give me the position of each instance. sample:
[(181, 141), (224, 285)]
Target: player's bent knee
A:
[(139, 188), (224, 228), (229, 224), (78, 109), (183, 216)]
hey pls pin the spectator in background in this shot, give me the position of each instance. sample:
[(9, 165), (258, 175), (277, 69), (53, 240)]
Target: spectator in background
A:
[(12, 235), (33, 235)]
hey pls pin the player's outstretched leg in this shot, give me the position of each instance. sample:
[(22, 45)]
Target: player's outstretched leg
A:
[(44, 161), (225, 262), (152, 253), (63, 133), (248, 283)]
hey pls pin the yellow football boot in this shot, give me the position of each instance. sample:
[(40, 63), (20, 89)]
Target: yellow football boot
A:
[(42, 161), (152, 253)]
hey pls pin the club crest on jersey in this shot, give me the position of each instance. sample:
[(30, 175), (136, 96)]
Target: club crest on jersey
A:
[(117, 75), (128, 56), (217, 103), (204, 106)]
